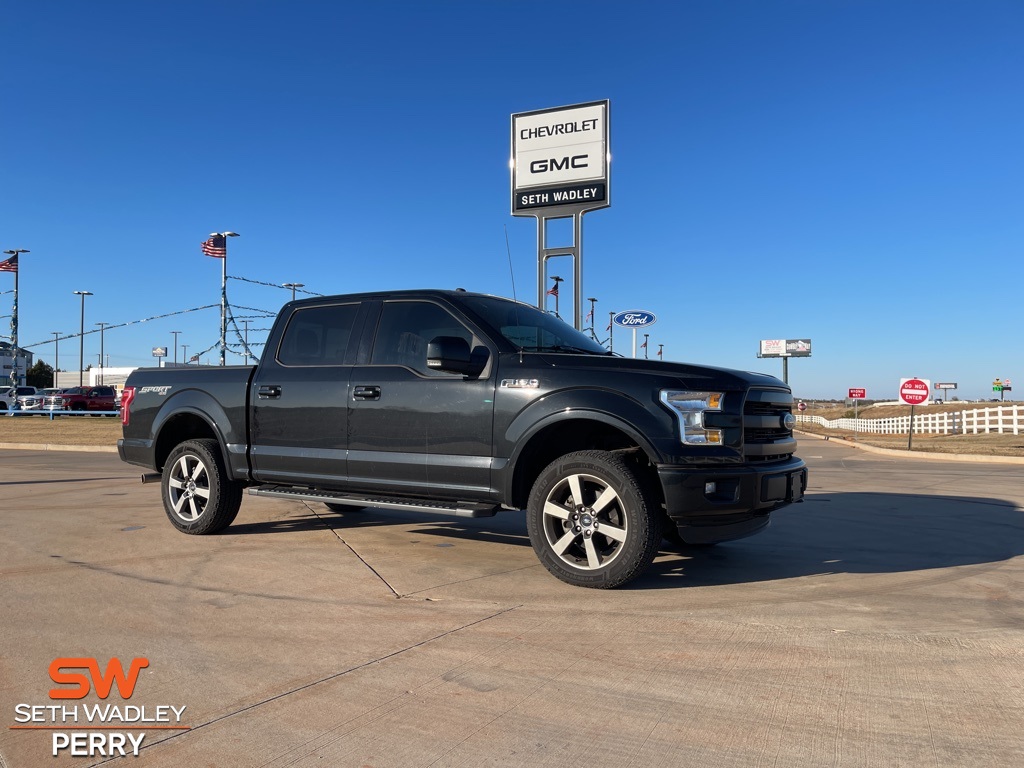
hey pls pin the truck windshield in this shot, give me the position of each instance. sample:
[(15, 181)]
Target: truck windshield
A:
[(531, 330)]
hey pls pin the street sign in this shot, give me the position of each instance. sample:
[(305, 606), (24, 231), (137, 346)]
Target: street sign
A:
[(945, 385), (915, 391), (801, 406), (159, 351), (858, 394)]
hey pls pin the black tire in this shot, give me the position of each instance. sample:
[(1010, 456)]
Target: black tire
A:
[(198, 496), (78, 407), (591, 522)]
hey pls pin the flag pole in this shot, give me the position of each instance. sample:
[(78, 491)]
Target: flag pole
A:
[(14, 335), (224, 304), (14, 253), (217, 246)]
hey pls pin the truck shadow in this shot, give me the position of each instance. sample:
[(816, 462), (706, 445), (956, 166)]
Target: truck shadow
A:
[(854, 533), (828, 533)]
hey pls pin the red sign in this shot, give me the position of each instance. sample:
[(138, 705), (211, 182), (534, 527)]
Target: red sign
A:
[(802, 406), (858, 394), (915, 391)]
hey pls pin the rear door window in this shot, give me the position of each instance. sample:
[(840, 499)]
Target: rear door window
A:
[(318, 336)]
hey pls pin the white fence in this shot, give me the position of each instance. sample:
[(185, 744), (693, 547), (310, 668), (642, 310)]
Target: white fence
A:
[(1001, 419)]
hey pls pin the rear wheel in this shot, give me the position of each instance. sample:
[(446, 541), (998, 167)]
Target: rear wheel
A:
[(590, 521), (198, 496)]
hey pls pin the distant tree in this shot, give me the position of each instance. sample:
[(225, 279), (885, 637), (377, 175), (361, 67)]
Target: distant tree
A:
[(39, 375)]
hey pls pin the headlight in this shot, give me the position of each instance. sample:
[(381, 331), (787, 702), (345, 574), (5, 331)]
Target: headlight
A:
[(690, 408)]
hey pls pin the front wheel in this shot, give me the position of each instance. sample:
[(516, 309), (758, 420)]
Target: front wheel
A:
[(591, 522), (199, 498)]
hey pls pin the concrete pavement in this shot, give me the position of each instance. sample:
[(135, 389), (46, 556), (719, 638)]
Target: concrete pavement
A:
[(879, 623)]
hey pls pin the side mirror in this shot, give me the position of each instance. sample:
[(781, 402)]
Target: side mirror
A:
[(451, 354)]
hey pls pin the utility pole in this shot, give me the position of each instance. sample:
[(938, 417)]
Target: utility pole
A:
[(81, 336), (56, 356)]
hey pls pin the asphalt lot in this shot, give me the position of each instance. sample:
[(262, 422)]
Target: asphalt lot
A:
[(880, 623)]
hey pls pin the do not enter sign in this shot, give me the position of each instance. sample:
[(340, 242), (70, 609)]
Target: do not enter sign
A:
[(915, 391)]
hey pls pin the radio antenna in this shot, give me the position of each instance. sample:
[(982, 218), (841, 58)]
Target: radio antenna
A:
[(512, 274)]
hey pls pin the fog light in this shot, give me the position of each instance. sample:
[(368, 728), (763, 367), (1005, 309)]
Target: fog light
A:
[(709, 488)]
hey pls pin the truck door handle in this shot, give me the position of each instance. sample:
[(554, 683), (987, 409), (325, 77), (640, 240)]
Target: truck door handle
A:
[(366, 393), (267, 391)]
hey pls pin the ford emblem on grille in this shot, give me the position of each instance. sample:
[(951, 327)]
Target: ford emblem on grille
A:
[(788, 421)]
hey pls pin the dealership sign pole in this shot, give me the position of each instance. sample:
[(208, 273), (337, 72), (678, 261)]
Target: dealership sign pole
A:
[(784, 348), (634, 319), (559, 165)]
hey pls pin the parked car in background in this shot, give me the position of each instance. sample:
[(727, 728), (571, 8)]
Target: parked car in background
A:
[(9, 400), (86, 399), (34, 402)]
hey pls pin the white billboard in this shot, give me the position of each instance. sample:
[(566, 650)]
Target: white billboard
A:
[(560, 157), (785, 348)]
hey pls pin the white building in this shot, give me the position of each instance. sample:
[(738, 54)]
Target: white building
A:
[(25, 360)]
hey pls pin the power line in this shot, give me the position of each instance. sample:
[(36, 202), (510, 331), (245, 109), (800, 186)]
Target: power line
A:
[(120, 325), (271, 285)]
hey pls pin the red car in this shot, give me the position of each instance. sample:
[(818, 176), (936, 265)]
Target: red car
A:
[(89, 399)]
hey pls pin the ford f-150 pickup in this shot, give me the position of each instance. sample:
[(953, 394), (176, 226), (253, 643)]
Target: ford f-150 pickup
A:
[(464, 404)]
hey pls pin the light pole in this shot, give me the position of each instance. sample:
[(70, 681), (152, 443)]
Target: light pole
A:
[(293, 286), (81, 336), (184, 353), (102, 327), (56, 356), (245, 341), (217, 246), (175, 347), (13, 261)]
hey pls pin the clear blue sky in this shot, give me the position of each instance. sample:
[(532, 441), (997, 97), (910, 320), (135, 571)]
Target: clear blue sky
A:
[(848, 172)]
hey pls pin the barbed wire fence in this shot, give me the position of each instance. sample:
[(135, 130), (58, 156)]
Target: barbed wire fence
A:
[(242, 346)]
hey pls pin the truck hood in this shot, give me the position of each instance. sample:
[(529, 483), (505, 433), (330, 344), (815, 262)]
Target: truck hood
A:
[(685, 374)]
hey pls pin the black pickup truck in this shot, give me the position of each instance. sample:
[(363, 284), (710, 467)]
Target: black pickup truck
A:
[(459, 403)]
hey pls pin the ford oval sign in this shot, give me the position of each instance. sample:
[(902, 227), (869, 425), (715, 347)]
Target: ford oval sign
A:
[(635, 318)]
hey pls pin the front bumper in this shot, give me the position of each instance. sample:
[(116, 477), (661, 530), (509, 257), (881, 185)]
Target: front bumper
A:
[(739, 502)]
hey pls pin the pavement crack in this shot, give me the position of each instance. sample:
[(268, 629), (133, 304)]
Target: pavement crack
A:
[(352, 549), (322, 680)]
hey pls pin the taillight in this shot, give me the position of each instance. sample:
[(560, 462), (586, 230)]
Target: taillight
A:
[(127, 395)]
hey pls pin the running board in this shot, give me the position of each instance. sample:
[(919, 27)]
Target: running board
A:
[(458, 509)]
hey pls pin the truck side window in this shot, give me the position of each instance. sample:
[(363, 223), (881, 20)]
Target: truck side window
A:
[(404, 330), (318, 335)]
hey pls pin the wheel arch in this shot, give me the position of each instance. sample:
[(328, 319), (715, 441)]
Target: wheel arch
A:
[(572, 431)]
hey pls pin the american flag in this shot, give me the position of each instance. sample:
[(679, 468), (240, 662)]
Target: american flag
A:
[(644, 345), (659, 351), (553, 291), (216, 246), (590, 314), (11, 265)]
